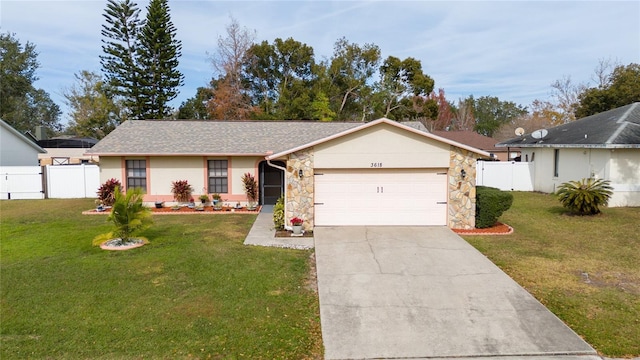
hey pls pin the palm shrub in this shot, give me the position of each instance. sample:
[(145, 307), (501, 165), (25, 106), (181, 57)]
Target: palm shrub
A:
[(490, 204), (128, 215), (278, 214), (585, 197), (181, 190), (106, 191)]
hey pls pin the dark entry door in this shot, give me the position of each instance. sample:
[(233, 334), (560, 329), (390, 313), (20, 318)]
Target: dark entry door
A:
[(271, 183)]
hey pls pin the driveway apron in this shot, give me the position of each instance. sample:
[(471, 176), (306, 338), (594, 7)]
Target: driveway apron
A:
[(424, 292)]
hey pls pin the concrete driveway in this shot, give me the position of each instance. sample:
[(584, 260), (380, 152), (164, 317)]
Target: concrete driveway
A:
[(424, 292)]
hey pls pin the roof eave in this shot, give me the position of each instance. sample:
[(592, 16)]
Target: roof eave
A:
[(575, 146), (119, 154)]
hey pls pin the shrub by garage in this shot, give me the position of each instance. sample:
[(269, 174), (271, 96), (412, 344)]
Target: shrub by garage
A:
[(490, 204)]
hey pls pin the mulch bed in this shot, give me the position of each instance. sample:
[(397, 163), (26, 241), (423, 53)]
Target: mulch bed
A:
[(186, 210), (497, 229)]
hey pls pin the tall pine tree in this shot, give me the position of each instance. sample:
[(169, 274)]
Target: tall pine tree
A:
[(120, 44), (158, 58)]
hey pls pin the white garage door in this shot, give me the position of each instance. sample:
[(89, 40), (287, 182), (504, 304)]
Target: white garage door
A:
[(381, 197)]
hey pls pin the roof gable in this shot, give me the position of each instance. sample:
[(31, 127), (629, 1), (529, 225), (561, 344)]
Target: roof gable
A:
[(616, 128), (17, 134), (377, 123)]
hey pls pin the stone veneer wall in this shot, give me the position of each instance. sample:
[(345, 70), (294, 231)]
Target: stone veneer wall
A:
[(299, 191), (462, 192)]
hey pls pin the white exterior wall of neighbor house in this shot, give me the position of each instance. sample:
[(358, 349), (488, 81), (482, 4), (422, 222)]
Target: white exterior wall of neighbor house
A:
[(625, 177), (381, 146), (620, 166), (15, 151)]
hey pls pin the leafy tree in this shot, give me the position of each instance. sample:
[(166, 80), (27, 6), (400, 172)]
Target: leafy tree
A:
[(321, 109), (158, 55), (348, 74), (280, 77), (94, 113), (491, 113), (21, 104), (196, 107), (403, 83), (622, 88), (119, 61), (585, 197)]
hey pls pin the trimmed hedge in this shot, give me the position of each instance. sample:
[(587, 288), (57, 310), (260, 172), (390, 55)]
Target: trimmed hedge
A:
[(490, 204)]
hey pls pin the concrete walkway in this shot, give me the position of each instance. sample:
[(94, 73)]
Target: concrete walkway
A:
[(262, 233), (424, 292)]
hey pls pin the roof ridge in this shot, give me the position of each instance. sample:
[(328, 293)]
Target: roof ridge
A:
[(623, 121)]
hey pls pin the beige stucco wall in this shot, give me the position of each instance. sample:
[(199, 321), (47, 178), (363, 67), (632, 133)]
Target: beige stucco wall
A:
[(381, 146), (238, 167), (110, 167), (163, 170)]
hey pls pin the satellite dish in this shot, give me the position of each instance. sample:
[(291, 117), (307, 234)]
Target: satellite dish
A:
[(519, 131), (539, 134)]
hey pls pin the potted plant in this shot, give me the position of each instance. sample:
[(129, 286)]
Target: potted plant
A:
[(159, 204), (217, 202), (296, 224), (204, 198), (251, 190), (192, 203), (181, 190)]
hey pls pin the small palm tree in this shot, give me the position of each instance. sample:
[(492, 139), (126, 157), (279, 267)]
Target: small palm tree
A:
[(128, 215), (585, 197)]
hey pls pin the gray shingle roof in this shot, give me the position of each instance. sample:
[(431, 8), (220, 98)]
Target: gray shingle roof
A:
[(616, 128), (188, 137)]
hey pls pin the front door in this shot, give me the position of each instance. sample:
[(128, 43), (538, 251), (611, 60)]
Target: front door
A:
[(271, 182)]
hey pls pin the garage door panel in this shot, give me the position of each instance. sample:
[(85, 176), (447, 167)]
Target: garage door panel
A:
[(382, 197)]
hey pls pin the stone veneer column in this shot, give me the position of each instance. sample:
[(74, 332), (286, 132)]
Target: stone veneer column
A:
[(299, 191), (462, 192)]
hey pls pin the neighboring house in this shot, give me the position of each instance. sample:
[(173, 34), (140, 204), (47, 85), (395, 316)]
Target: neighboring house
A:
[(331, 173), (63, 150), (602, 146), (20, 175), (477, 141), (16, 149)]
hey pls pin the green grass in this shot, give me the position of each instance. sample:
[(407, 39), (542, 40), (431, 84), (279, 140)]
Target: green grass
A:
[(194, 292), (586, 270)]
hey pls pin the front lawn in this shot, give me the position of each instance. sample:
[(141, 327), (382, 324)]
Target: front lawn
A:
[(194, 292), (586, 270)]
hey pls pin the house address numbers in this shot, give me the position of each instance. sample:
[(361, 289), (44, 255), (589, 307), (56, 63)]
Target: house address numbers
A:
[(376, 164)]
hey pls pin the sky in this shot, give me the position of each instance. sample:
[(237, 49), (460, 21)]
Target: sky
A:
[(513, 50)]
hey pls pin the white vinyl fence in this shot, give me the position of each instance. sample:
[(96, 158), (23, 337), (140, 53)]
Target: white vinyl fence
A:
[(505, 175), (52, 181), (21, 182), (72, 181)]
